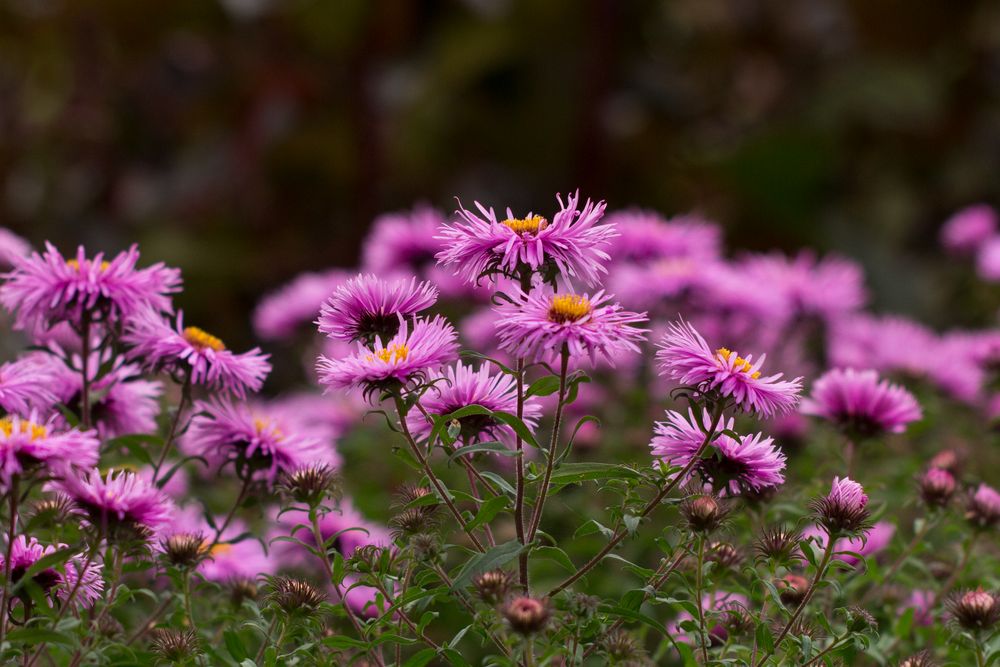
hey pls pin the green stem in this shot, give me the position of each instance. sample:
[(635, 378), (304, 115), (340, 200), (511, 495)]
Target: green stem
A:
[(550, 456), (832, 647), (519, 481), (820, 571), (11, 530), (85, 415), (185, 400), (703, 638), (650, 506)]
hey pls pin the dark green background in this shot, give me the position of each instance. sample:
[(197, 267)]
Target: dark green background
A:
[(247, 140)]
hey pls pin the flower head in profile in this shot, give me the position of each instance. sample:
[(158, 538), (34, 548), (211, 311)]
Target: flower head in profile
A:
[(195, 354), (47, 288), (121, 501), (30, 442), (281, 312), (975, 610), (462, 385), (55, 582), (731, 466), (25, 384), (227, 560), (571, 245), (420, 346), (844, 510), (969, 228), (258, 441), (539, 325), (367, 307), (861, 403), (685, 356), (983, 509)]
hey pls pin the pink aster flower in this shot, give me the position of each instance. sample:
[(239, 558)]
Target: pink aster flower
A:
[(461, 386), (197, 355), (922, 602), (540, 324), (280, 313), (984, 506), (861, 402), (844, 511), (54, 582), (846, 493), (46, 289), (847, 549), (685, 356), (121, 501), (750, 462), (252, 438), (988, 260), (645, 236), (969, 228), (366, 307), (25, 384), (122, 402), (824, 288), (29, 442), (409, 354), (13, 248), (572, 244)]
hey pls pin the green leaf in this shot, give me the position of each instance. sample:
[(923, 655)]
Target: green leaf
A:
[(492, 446), (493, 558), (555, 554), (488, 511), (571, 473), (135, 444), (545, 386), (38, 635), (421, 658), (765, 640), (234, 644), (342, 641)]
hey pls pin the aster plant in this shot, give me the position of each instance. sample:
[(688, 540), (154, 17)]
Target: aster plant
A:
[(515, 440)]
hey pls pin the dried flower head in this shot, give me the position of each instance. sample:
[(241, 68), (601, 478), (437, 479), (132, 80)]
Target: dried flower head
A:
[(622, 649), (53, 511), (426, 547), (294, 596), (736, 619), (526, 615), (184, 550), (412, 521), (310, 484), (175, 645), (974, 610), (583, 606), (240, 589), (792, 588), (492, 586), (844, 510), (922, 659), (778, 544), (937, 486), (725, 555), (703, 512), (860, 620), (109, 627)]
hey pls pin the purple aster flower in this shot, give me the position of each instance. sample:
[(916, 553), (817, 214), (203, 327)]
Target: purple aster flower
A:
[(658, 283), (25, 384), (29, 442), (122, 402), (750, 462), (122, 502), (572, 244), (988, 260), (407, 355), (461, 386), (46, 289), (969, 228), (922, 602), (252, 438), (56, 583), (198, 355), (13, 248), (645, 236), (886, 344), (540, 324), (844, 510), (826, 288), (984, 506), (367, 307), (862, 403), (280, 313), (873, 541), (685, 356)]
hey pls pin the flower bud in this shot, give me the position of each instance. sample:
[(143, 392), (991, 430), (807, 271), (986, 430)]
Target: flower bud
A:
[(526, 615), (983, 510), (859, 620), (975, 610), (294, 596), (725, 555), (921, 659), (426, 548), (309, 484), (947, 459), (184, 550), (937, 486), (844, 510), (175, 645), (778, 544), (623, 649), (240, 589), (492, 586), (704, 513), (792, 589)]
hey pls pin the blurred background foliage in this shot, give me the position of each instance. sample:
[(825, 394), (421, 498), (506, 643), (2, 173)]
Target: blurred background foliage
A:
[(247, 140)]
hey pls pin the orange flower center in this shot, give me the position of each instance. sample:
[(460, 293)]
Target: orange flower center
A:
[(29, 428), (202, 340), (529, 225), (739, 364), (568, 308), (394, 352)]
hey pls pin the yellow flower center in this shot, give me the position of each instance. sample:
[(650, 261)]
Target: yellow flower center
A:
[(31, 429), (75, 265), (532, 224), (740, 364), (262, 424), (202, 339), (568, 308), (394, 352), (220, 549)]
